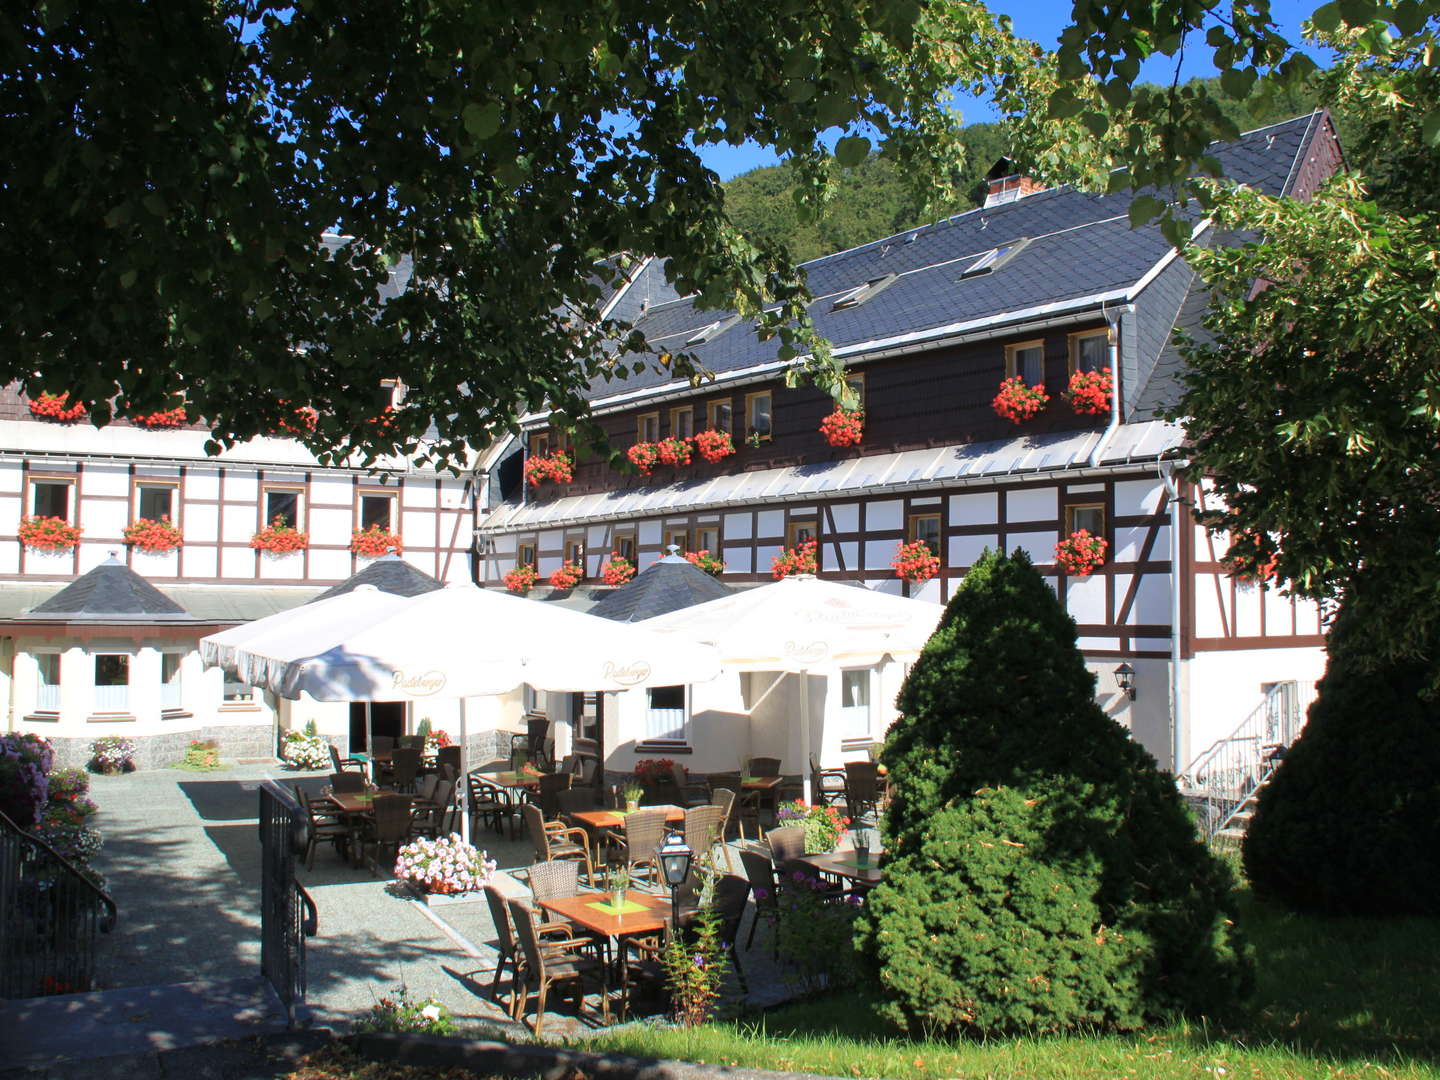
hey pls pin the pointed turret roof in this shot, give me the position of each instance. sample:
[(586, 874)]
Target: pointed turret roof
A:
[(111, 593), (665, 586), (389, 573)]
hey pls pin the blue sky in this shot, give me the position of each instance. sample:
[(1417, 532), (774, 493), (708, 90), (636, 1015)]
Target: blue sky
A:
[(1042, 21)]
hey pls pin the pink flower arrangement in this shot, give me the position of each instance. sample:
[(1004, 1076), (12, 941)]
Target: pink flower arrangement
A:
[(915, 562), (48, 533), (644, 456), (568, 576), (521, 580), (1017, 402), (446, 865), (148, 535), (1080, 553), (801, 559), (279, 538), (55, 407), (674, 451), (558, 468), (374, 542), (618, 570), (1089, 392), (843, 427), (714, 445), (703, 560)]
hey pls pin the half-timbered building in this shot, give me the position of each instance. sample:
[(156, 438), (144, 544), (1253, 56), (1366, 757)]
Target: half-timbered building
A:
[(1036, 283)]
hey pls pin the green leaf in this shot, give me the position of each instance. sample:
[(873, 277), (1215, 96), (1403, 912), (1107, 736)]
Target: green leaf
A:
[(1430, 129), (1327, 17), (481, 121), (852, 150), (1145, 208)]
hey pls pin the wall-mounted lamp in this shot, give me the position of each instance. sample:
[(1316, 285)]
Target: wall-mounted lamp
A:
[(1125, 679)]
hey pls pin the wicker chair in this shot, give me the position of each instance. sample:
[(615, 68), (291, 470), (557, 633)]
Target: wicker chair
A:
[(489, 802), (765, 766), (552, 964), (340, 764), (508, 955), (404, 768), (432, 816), (322, 826), (425, 787), (786, 845), (761, 872), (347, 783), (551, 784), (703, 830), (574, 800), (448, 756), (644, 832), (391, 827), (827, 786), (728, 801), (862, 788), (553, 840), (732, 894)]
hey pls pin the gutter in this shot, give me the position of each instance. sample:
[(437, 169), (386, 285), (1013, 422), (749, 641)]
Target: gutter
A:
[(1179, 721), (1112, 317)]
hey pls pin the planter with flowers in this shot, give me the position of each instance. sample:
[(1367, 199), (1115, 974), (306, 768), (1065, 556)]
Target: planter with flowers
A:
[(714, 445), (703, 560), (56, 407), (823, 824), (112, 755), (436, 740), (1251, 559), (298, 422), (843, 427), (1089, 392), (644, 456), (801, 559), (373, 542), (1080, 553), (445, 866), (618, 570), (915, 562), (278, 538), (156, 536), (568, 576), (521, 580), (303, 750), (675, 451), (166, 418), (1017, 402), (655, 772), (48, 533), (557, 468)]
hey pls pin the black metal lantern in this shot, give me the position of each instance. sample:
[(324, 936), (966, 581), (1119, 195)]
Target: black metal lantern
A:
[(674, 856), (1125, 679)]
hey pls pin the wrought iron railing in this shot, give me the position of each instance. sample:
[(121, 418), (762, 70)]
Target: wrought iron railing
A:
[(1219, 782), (51, 916), (287, 914)]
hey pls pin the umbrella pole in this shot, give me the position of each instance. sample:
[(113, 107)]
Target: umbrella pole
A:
[(464, 776), (370, 745), (805, 732)]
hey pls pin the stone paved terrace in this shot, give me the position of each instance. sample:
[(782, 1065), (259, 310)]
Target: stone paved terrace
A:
[(182, 856)]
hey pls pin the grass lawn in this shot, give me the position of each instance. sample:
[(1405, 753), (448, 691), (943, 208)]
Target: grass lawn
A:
[(1335, 999)]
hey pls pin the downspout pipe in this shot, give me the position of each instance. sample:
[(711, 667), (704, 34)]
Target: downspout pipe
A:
[(1112, 319), (1179, 721)]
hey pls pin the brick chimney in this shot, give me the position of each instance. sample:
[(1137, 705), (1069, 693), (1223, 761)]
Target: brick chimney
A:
[(1004, 183)]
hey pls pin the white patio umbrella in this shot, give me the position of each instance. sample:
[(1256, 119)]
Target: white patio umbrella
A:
[(457, 642), (801, 624)]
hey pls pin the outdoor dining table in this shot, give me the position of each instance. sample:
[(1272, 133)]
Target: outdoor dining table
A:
[(615, 819), (355, 807), (846, 864), (643, 913)]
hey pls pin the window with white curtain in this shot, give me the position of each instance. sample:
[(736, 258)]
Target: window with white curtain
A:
[(112, 682), (170, 680), (666, 713), (855, 702), (47, 696)]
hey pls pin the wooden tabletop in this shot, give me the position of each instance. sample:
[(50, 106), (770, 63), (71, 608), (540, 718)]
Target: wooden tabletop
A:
[(353, 802), (761, 783), (615, 819), (580, 910), (511, 779), (844, 864)]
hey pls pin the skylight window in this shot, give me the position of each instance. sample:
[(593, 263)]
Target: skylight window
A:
[(711, 332), (990, 261), (858, 295)]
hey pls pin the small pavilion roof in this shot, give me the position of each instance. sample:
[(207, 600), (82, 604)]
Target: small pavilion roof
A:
[(665, 586), (110, 593), (389, 573)]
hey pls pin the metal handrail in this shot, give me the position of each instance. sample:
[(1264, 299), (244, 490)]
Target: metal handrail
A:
[(112, 911)]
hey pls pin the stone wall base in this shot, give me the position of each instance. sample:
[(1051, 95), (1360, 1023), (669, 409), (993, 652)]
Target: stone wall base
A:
[(168, 748)]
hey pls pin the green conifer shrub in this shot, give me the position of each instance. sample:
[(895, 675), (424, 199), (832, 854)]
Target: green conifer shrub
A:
[(1350, 822), (1043, 872)]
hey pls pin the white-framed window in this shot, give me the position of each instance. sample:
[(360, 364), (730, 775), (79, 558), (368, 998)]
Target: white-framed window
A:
[(926, 527), (112, 682), (759, 410), (575, 550), (856, 382), (1027, 360), (680, 538), (719, 414), (624, 546), (855, 698), (682, 421), (525, 553), (667, 712), (1090, 351), (647, 427), (707, 538), (540, 444), (377, 510), (1087, 516), (47, 689), (282, 503), (170, 695), (155, 502), (50, 498)]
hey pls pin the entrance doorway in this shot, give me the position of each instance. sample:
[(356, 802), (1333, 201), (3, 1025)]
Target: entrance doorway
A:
[(387, 719)]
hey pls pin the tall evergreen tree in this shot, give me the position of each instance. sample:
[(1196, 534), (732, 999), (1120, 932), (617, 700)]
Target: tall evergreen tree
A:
[(1044, 873)]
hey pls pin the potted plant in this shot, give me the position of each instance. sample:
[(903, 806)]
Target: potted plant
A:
[(618, 570), (48, 533), (801, 559), (644, 455), (617, 880), (521, 580), (823, 824), (703, 560), (843, 427), (652, 771), (374, 542), (56, 407), (1017, 402), (632, 794), (915, 562), (298, 422), (447, 865), (674, 451), (558, 468), (305, 750), (148, 535), (756, 438), (113, 754), (1089, 392), (1080, 553), (166, 418), (714, 445), (278, 538), (568, 576)]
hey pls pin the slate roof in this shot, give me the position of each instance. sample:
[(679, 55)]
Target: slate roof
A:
[(1081, 245), (389, 573), (111, 593), (668, 585)]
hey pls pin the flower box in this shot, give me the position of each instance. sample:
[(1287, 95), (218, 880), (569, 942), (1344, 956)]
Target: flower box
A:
[(521, 580), (297, 422), (157, 536), (703, 560), (445, 866), (568, 576), (374, 542), (714, 445), (1089, 392), (1017, 402), (675, 451), (801, 559), (617, 571), (1080, 553), (823, 824), (644, 456), (915, 562), (56, 407), (166, 418), (48, 533), (558, 468), (843, 427), (280, 539)]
